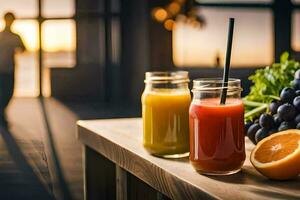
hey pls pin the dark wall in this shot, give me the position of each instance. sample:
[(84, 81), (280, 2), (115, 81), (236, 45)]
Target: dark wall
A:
[(135, 59), (160, 49), (86, 79)]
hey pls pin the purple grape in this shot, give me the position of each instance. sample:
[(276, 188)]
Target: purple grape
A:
[(261, 134), (287, 95), (297, 119), (266, 121), (286, 125), (298, 126), (297, 74), (296, 84), (277, 120), (252, 131), (296, 103), (274, 106), (272, 131), (247, 126), (286, 112)]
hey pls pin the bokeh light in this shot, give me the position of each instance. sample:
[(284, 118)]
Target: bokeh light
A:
[(159, 14), (168, 24)]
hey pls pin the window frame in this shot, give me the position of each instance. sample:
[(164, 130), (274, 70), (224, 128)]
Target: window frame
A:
[(41, 19)]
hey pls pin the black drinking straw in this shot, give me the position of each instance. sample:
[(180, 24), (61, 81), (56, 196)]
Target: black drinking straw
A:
[(227, 61)]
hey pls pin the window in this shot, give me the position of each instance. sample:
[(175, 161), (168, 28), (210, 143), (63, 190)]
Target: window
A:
[(58, 8), (20, 8), (58, 40), (252, 45), (296, 31), (27, 63), (59, 43)]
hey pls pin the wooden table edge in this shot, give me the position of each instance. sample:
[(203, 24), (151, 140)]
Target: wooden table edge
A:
[(98, 139)]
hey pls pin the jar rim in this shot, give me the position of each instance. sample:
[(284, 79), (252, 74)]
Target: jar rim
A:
[(213, 84), (216, 80), (167, 77)]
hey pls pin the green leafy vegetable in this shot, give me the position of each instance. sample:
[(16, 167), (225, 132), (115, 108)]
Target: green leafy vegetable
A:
[(268, 82)]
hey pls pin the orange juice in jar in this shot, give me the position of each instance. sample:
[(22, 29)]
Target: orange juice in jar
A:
[(166, 101)]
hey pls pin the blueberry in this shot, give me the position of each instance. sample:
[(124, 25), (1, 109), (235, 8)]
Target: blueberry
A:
[(297, 119), (286, 125), (286, 112), (274, 106), (297, 74), (287, 95), (247, 126), (296, 103), (266, 121), (277, 120), (261, 134), (297, 92), (252, 131)]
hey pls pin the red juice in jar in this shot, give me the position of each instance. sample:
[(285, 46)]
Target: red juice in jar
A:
[(216, 134)]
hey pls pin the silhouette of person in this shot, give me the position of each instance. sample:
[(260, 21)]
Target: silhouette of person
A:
[(10, 43), (217, 60)]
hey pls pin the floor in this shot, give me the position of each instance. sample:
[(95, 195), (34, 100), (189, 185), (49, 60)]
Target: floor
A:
[(46, 143), (17, 177), (40, 157)]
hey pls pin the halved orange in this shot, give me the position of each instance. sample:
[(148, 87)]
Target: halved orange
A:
[(278, 156)]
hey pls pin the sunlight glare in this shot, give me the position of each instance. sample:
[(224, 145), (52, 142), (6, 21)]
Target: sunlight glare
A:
[(59, 35)]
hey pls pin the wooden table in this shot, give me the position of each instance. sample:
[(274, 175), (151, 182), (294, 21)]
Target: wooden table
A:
[(118, 167)]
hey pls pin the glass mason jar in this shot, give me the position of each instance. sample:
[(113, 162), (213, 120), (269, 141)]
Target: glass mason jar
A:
[(217, 145), (166, 100)]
